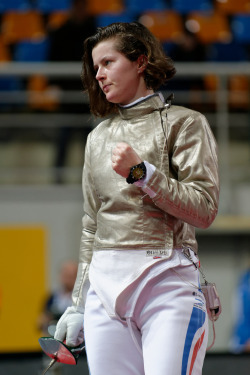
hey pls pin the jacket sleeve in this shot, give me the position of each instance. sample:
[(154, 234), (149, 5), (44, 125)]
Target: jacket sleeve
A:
[(91, 206), (192, 196)]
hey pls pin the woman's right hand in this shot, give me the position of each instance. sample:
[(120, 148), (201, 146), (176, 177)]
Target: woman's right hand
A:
[(123, 158), (70, 327)]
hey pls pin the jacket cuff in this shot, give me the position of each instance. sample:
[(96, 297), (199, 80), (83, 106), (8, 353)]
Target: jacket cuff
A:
[(81, 287), (142, 183)]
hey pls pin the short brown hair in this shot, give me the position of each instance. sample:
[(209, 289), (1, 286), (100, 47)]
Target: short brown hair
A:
[(133, 40)]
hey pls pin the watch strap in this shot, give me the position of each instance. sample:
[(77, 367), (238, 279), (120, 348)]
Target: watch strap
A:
[(137, 172)]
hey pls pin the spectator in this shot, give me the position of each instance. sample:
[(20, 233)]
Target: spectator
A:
[(54, 306), (59, 300), (240, 342), (66, 44), (189, 49)]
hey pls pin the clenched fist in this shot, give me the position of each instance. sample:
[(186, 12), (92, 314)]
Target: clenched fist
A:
[(123, 158)]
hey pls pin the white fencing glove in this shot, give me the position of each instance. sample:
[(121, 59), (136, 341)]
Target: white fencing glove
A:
[(70, 327)]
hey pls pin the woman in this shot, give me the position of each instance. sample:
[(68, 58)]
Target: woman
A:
[(150, 177)]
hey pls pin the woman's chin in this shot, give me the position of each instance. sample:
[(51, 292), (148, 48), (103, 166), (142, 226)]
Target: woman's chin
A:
[(112, 98)]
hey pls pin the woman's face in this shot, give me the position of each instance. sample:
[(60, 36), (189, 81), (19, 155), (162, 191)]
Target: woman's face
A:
[(120, 79)]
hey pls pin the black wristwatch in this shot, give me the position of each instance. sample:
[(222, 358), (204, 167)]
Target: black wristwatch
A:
[(137, 172)]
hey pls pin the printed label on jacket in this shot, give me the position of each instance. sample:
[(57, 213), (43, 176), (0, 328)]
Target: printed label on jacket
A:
[(157, 253)]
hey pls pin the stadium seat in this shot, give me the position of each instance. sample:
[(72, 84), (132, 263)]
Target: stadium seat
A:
[(4, 51), (227, 52), (233, 6), (56, 19), (210, 82), (7, 83), (48, 6), (41, 96), (141, 6), (96, 7), (18, 5), (239, 98), (31, 51), (168, 47), (106, 19), (18, 26), (165, 25), (209, 27), (241, 28), (187, 6), (238, 90)]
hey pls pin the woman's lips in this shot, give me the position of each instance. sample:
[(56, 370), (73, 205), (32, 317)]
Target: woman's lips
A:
[(106, 88)]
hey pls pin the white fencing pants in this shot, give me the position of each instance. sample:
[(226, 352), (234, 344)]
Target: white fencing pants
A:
[(167, 334)]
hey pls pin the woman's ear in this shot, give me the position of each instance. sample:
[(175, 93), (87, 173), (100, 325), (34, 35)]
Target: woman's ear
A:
[(142, 63)]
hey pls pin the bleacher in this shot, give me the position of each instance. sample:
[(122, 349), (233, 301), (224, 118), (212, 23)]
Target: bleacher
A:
[(219, 22), (221, 26)]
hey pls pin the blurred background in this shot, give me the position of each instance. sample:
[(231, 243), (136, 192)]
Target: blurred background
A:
[(44, 122)]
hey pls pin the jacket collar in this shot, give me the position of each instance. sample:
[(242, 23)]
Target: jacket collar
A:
[(143, 107)]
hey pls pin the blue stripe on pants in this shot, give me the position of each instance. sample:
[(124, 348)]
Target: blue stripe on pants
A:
[(197, 320)]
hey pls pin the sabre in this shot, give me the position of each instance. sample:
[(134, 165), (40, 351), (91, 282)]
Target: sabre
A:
[(49, 366), (59, 351)]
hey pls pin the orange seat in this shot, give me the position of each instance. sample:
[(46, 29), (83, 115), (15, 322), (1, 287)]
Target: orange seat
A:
[(238, 90), (96, 7), (4, 51), (233, 6), (211, 82), (42, 96), (18, 26), (209, 27), (239, 97), (165, 25), (57, 19)]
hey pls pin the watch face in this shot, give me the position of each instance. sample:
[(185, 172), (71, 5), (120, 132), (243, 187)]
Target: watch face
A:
[(137, 173)]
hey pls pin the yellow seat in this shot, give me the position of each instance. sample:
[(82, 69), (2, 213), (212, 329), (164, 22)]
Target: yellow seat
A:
[(239, 98), (209, 27), (165, 25), (57, 19), (18, 26), (233, 6), (4, 51), (238, 90), (96, 7), (42, 96)]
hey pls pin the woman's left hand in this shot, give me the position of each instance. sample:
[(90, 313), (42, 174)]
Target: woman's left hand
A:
[(123, 158)]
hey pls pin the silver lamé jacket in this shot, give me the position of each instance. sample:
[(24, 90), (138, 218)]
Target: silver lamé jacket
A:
[(180, 144)]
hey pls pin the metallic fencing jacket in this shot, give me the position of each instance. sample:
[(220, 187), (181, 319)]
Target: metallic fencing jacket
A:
[(180, 144)]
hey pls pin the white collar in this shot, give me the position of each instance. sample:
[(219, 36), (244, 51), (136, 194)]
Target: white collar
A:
[(141, 99)]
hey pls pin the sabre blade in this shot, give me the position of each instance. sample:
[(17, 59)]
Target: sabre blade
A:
[(49, 366)]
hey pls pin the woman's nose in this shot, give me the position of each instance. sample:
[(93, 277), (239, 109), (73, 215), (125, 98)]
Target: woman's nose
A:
[(99, 74)]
